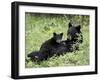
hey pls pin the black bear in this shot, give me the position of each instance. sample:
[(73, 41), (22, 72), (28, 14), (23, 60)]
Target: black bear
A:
[(74, 35), (49, 48)]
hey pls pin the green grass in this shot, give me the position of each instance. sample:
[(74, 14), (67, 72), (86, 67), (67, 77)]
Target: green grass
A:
[(40, 27)]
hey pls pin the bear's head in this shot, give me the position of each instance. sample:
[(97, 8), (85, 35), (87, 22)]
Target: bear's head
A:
[(57, 37), (74, 33)]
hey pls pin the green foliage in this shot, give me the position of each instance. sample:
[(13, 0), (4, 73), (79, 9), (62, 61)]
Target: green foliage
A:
[(40, 27)]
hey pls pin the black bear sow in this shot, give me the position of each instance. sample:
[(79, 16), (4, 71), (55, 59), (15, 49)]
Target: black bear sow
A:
[(48, 48), (74, 33)]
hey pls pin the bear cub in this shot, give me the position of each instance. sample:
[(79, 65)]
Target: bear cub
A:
[(49, 48)]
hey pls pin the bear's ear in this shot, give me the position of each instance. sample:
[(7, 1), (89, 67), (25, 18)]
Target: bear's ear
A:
[(61, 34), (54, 34), (69, 25), (78, 28)]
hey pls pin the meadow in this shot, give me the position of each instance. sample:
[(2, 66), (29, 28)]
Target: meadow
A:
[(40, 27)]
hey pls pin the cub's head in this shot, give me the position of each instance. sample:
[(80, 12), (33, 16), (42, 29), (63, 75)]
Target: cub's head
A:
[(74, 33), (57, 37)]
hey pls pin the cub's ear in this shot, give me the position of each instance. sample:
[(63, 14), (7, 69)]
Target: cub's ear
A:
[(61, 34), (54, 34), (78, 28), (69, 25)]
